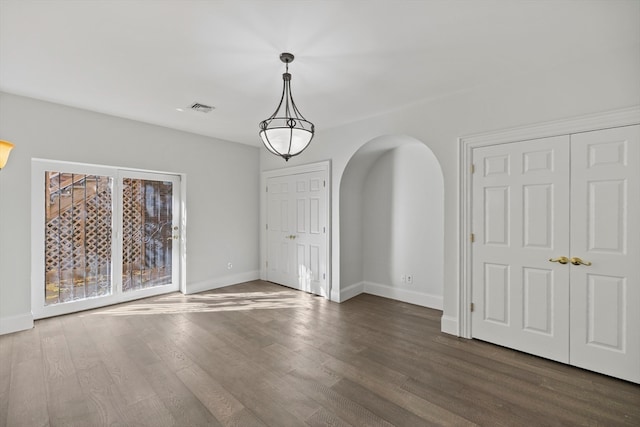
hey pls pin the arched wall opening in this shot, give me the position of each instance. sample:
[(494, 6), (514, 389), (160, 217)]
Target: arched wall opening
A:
[(392, 222)]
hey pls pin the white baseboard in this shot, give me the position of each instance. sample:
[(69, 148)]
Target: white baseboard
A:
[(335, 294), (449, 325), (351, 291), (221, 282), (404, 295), (20, 322)]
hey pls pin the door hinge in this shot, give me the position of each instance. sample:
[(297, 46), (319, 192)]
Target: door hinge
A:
[(324, 229), (324, 183), (266, 189), (472, 307), (266, 264), (473, 238), (324, 276), (266, 226), (473, 168)]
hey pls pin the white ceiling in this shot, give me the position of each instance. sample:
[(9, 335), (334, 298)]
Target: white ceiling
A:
[(142, 59)]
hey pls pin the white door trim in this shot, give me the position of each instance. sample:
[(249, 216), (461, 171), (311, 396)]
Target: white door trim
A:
[(461, 323), (324, 166)]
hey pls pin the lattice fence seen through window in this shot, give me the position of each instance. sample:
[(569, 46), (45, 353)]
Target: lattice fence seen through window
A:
[(147, 234), (78, 228), (78, 235)]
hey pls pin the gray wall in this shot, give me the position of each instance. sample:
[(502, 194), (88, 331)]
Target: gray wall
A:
[(578, 87), (391, 217), (222, 189), (403, 200)]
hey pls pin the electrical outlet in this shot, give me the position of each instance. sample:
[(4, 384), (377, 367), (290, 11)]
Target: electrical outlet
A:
[(403, 278), (229, 266), (409, 278)]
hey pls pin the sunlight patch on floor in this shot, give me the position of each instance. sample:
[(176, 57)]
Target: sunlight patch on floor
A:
[(207, 303)]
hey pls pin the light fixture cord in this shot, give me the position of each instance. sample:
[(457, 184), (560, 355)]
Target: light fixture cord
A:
[(287, 96)]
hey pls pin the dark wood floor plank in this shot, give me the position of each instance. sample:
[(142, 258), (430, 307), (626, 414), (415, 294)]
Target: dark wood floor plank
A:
[(473, 404), (556, 377), (268, 408), (573, 399), (298, 404), (481, 371), (248, 382), (244, 418), (55, 352), (177, 397), (27, 394), (222, 404), (390, 386), (82, 351), (365, 371), (170, 354), (380, 406), (67, 404), (98, 389), (344, 407), (6, 355), (149, 412), (259, 354), (298, 361), (324, 418), (447, 378), (129, 384)]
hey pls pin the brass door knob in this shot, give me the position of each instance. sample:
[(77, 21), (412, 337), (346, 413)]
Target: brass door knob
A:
[(561, 260), (577, 261)]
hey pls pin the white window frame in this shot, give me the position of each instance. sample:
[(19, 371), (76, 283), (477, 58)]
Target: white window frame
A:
[(38, 169)]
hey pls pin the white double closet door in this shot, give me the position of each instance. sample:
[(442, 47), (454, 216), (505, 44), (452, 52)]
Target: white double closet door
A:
[(297, 228), (534, 202)]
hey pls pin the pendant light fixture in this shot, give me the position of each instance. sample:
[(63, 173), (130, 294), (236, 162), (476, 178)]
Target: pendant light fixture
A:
[(286, 133)]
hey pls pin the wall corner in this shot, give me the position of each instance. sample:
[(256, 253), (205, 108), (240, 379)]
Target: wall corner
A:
[(449, 325), (19, 322)]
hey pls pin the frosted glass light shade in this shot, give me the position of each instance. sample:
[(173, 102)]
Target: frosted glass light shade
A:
[(5, 148), (286, 142), (286, 133)]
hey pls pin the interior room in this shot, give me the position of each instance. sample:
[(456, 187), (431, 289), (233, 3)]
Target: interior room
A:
[(448, 235)]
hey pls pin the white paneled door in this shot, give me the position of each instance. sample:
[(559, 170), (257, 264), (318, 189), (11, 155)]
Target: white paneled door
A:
[(297, 231), (605, 235), (556, 255), (520, 221)]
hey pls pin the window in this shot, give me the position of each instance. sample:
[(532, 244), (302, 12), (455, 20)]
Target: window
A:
[(101, 236)]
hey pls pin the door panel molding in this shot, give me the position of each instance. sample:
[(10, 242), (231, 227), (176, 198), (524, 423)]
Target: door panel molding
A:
[(604, 168), (517, 302), (323, 167), (605, 292), (460, 323)]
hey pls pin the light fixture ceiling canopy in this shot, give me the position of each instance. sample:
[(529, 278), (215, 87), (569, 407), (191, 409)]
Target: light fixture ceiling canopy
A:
[(286, 133)]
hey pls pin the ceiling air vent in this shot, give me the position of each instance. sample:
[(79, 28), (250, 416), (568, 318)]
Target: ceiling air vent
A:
[(196, 106)]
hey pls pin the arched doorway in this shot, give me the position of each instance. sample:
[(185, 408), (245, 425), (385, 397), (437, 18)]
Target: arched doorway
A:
[(392, 222)]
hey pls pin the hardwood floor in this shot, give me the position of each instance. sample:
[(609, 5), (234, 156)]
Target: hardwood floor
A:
[(259, 354)]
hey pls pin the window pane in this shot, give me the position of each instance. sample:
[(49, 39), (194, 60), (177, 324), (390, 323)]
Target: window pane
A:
[(146, 230), (77, 236)]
